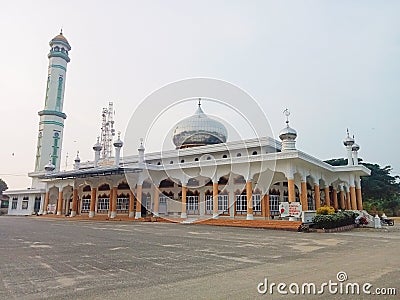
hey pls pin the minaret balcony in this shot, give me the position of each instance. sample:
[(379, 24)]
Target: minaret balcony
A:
[(59, 54)]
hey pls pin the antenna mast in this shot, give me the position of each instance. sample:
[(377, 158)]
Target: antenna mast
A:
[(107, 130)]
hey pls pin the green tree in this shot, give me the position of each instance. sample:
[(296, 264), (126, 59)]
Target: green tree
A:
[(380, 185), (3, 186), (337, 161), (393, 205)]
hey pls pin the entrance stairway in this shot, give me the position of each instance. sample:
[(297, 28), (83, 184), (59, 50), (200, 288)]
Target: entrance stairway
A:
[(371, 219)]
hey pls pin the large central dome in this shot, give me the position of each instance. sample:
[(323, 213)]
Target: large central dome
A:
[(199, 130)]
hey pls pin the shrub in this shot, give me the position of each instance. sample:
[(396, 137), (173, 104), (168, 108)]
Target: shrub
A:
[(325, 210), (338, 219)]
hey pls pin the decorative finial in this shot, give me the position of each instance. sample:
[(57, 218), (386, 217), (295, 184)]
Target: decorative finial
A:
[(119, 134), (348, 134), (61, 31), (77, 159), (141, 141), (98, 139), (286, 112), (199, 102)]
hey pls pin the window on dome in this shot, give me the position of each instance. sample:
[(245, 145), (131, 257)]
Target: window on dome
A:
[(239, 154)]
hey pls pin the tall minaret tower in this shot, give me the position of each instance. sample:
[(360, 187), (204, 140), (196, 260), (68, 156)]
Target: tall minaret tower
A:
[(52, 118)]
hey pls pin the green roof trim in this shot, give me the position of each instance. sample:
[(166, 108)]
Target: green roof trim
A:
[(46, 112), (52, 123)]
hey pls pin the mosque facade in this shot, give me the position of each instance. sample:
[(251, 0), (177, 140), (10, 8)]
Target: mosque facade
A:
[(206, 176)]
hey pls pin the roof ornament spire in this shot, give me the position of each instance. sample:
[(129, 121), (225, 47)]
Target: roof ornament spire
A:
[(49, 167), (348, 141), (61, 31), (286, 112), (355, 146), (77, 156), (77, 161), (97, 147), (141, 147), (141, 152), (199, 102), (288, 135), (118, 143)]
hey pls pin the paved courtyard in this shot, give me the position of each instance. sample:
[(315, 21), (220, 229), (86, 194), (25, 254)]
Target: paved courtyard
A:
[(58, 259)]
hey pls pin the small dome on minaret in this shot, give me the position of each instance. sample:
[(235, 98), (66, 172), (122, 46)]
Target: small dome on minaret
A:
[(141, 147), (49, 167), (60, 38), (118, 143), (355, 146), (287, 133), (77, 158), (97, 146), (348, 141)]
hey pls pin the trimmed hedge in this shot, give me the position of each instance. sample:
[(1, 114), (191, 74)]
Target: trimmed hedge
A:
[(339, 219)]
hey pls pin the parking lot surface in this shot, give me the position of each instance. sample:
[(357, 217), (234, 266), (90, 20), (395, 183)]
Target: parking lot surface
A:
[(43, 258)]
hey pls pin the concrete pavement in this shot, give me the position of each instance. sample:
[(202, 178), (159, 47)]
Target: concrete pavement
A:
[(58, 259)]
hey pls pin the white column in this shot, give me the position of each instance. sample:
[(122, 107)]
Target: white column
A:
[(202, 202), (349, 156)]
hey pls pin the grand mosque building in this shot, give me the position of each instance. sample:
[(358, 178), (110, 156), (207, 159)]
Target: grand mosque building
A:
[(206, 176)]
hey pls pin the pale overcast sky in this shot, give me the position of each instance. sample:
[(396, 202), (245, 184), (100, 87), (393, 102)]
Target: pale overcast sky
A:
[(334, 64)]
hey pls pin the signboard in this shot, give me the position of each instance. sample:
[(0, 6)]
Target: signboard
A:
[(284, 209), (290, 209), (295, 209), (51, 208), (308, 215)]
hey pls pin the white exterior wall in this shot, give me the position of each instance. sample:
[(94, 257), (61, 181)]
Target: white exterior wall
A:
[(19, 211)]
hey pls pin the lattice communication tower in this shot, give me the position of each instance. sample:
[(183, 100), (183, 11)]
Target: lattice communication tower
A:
[(107, 130)]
